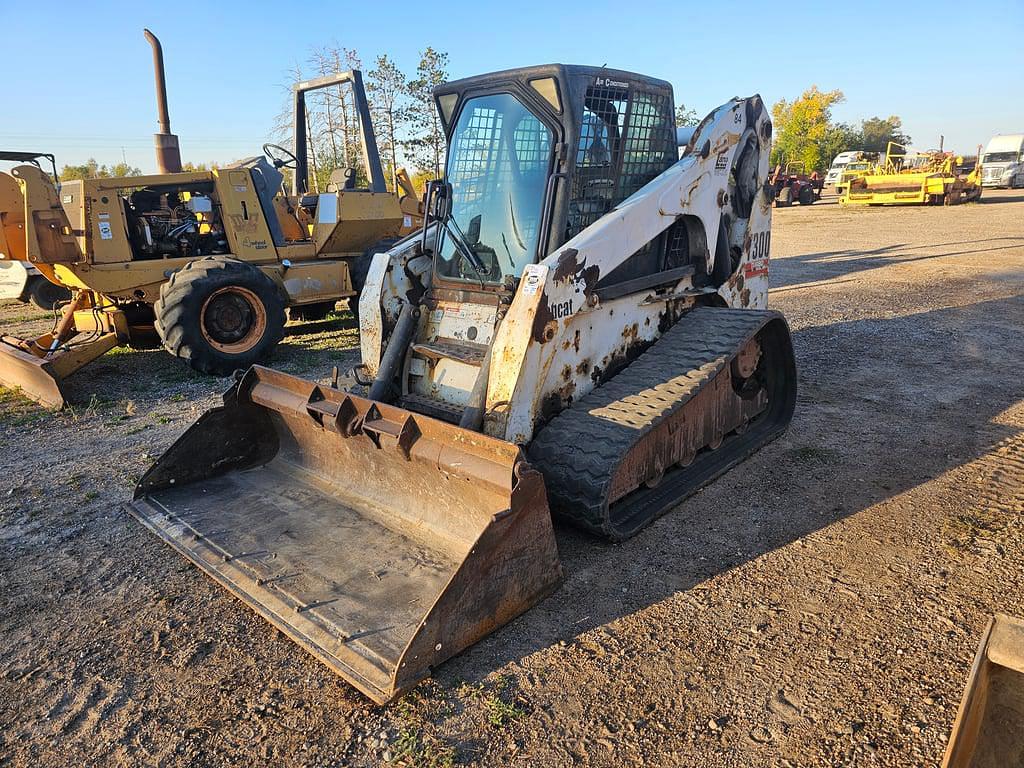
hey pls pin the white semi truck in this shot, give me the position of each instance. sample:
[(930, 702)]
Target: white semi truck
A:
[(1002, 162), (22, 281)]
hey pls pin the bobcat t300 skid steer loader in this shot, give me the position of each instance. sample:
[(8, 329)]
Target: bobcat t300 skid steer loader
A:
[(580, 323)]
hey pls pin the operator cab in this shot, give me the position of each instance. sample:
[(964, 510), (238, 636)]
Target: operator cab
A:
[(536, 155), (286, 221)]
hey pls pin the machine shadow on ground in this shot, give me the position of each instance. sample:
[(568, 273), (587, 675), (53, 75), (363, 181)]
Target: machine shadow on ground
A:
[(804, 269), (728, 522)]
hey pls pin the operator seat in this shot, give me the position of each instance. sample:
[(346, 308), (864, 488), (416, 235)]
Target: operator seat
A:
[(267, 181), (342, 180)]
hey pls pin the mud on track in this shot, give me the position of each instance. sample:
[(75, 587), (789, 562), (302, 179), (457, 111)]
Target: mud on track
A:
[(819, 605)]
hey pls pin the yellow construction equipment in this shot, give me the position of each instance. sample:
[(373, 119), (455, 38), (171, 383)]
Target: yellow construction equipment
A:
[(581, 322), (204, 262), (928, 178), (861, 164), (989, 727)]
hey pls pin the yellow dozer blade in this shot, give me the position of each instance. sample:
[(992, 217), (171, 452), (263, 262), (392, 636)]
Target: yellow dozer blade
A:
[(39, 366), (382, 541), (27, 365), (989, 728)]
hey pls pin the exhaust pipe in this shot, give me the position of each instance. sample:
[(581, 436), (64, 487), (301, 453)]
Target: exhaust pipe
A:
[(168, 154)]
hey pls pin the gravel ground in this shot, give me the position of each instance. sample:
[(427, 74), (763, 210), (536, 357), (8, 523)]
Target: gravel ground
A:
[(818, 605)]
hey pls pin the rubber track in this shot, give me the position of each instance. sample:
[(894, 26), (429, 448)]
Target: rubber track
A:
[(580, 448)]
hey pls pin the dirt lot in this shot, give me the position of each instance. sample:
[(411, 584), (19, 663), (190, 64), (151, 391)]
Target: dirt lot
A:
[(819, 605)]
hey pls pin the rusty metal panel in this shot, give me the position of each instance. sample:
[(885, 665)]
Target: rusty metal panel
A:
[(41, 376)]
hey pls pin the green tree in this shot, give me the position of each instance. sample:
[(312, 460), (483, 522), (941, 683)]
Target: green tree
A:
[(686, 117), (876, 133), (804, 131), (838, 137), (388, 93), (426, 145), (93, 170)]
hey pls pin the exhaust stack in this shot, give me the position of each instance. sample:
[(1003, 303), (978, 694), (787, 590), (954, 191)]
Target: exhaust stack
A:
[(168, 154)]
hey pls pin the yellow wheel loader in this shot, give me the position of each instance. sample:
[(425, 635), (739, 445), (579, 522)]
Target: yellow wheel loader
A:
[(205, 263), (580, 327)]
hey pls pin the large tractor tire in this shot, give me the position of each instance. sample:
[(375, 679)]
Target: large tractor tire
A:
[(220, 314), (784, 198), (806, 196), (46, 295)]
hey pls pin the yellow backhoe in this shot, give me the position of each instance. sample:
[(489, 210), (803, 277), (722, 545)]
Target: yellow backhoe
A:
[(205, 263)]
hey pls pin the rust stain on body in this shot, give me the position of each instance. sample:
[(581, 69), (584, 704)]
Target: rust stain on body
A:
[(567, 265), (545, 326)]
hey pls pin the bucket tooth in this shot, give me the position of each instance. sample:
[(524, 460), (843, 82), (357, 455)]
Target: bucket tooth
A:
[(381, 541)]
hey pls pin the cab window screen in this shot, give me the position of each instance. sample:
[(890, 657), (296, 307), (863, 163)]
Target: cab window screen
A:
[(498, 163), (627, 137)]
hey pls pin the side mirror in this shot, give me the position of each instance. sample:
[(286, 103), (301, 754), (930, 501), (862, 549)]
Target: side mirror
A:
[(442, 199), (436, 205)]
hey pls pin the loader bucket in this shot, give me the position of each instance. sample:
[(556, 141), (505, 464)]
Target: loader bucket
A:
[(41, 378), (381, 541), (989, 728)]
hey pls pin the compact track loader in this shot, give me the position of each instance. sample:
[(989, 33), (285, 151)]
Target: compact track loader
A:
[(580, 327), (205, 263)]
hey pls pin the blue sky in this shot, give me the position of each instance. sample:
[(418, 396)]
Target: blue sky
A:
[(87, 87)]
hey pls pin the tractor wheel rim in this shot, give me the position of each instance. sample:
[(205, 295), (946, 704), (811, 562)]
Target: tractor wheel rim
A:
[(233, 320)]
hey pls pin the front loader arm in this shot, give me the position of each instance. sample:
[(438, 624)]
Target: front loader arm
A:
[(563, 335)]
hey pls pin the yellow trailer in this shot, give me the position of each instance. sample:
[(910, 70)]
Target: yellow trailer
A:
[(930, 178)]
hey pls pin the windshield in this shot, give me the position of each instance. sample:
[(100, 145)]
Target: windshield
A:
[(498, 163), (1000, 157), (837, 165)]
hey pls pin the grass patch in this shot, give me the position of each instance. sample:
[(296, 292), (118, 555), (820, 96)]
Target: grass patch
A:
[(502, 705), (17, 410), (415, 745), (30, 317)]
